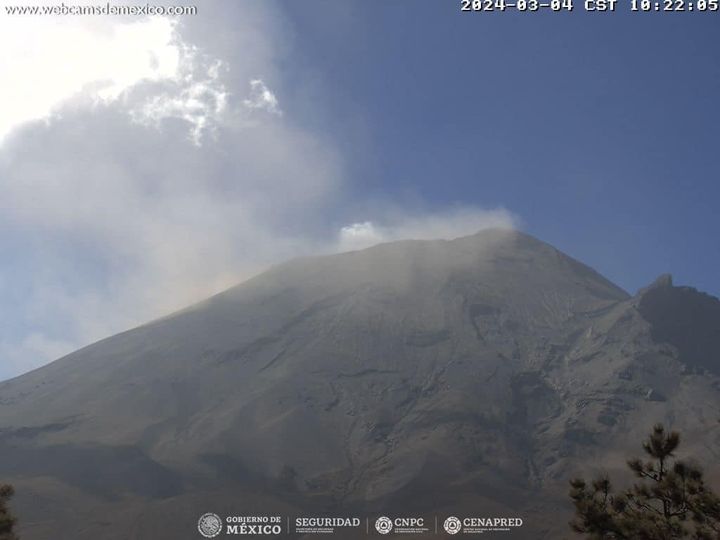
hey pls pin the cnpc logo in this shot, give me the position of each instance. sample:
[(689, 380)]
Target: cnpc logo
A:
[(385, 525)]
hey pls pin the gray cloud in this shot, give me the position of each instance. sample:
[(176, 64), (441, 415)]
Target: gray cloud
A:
[(124, 201), (261, 97), (137, 202)]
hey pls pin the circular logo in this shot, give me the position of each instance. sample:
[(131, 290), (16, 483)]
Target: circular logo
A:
[(383, 525), (210, 525), (452, 525)]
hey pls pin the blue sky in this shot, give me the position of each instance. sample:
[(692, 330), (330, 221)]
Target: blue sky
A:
[(600, 131), (215, 145)]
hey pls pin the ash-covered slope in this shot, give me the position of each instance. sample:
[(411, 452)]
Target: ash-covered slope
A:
[(420, 376)]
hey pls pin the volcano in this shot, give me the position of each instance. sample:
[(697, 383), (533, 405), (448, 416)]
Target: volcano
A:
[(474, 376)]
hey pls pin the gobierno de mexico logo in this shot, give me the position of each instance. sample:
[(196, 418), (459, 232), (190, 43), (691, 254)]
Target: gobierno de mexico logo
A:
[(210, 525)]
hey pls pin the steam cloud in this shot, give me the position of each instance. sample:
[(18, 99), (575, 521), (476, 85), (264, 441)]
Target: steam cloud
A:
[(142, 169)]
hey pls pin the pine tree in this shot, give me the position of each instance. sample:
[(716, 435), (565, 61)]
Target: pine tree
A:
[(7, 520), (670, 501)]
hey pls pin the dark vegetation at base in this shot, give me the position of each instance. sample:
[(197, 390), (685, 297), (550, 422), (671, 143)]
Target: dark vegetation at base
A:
[(671, 500), (7, 520)]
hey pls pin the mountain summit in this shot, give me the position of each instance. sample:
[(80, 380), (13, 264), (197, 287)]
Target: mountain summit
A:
[(477, 374)]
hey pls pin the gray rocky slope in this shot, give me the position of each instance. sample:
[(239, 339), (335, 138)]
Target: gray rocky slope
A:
[(472, 376)]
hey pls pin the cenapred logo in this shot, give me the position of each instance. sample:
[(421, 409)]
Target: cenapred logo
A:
[(383, 525), (481, 525), (452, 525), (210, 525)]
